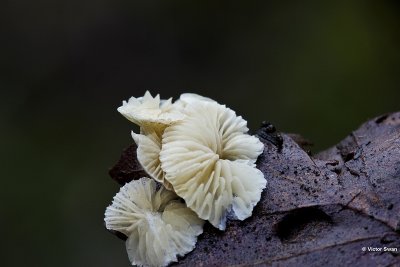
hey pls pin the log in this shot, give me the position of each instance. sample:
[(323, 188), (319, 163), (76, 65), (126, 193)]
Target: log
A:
[(331, 208)]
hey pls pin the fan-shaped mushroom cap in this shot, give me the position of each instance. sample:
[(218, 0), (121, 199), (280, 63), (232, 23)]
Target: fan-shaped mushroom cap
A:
[(150, 112), (209, 159), (148, 154), (158, 226)]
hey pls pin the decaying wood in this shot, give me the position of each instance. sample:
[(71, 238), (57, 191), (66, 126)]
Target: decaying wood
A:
[(316, 210)]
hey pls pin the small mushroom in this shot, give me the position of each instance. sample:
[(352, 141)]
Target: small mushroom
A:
[(158, 225), (153, 116), (148, 154), (150, 112), (210, 161)]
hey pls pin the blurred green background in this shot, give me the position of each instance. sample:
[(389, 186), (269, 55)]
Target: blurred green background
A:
[(316, 68)]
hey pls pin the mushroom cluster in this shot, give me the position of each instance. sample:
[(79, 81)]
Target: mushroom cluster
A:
[(199, 151)]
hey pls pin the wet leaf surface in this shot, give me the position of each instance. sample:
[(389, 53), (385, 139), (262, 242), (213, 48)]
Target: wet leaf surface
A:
[(316, 210)]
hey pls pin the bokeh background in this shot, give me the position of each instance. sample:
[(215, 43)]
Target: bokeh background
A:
[(316, 68)]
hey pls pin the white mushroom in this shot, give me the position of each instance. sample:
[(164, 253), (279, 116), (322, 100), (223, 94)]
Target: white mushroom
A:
[(148, 153), (209, 159), (150, 112), (189, 98), (158, 226)]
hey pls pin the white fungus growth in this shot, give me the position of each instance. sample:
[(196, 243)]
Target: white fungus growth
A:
[(153, 116), (159, 227), (148, 153), (210, 161), (150, 112)]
